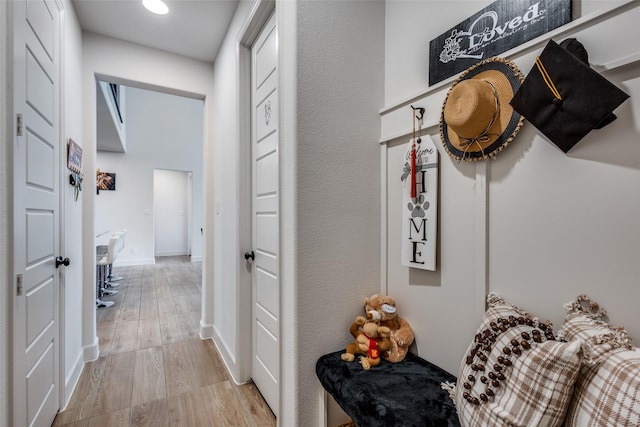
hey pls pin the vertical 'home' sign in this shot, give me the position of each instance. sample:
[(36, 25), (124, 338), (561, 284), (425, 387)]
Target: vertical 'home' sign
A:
[(502, 25), (420, 213)]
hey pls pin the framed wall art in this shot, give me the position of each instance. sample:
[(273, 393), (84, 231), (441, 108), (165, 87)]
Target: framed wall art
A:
[(74, 156), (105, 180), (502, 25)]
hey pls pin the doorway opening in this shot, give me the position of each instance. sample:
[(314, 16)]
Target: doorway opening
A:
[(152, 148), (260, 290), (171, 212)]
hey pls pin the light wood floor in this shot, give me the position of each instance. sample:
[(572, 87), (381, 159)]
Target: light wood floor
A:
[(153, 368)]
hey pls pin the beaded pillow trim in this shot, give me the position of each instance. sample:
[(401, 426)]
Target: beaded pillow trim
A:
[(518, 384), (483, 344)]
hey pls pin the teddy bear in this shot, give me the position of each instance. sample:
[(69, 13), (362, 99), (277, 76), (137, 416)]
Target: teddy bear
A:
[(382, 310), (371, 340)]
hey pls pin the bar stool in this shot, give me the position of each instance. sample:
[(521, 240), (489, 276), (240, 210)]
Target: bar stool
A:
[(102, 261), (102, 251), (122, 234)]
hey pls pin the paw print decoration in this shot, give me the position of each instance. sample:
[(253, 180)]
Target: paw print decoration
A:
[(418, 206)]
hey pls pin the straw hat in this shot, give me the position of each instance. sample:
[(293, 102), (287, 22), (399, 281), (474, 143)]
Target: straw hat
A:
[(477, 120)]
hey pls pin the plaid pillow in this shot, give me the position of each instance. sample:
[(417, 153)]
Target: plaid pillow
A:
[(515, 373), (587, 321), (607, 392)]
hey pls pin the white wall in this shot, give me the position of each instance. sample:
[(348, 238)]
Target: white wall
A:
[(72, 289), (226, 262), (163, 131), (340, 75), (536, 225), (152, 69)]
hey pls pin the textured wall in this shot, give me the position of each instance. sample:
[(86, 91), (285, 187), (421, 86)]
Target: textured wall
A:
[(4, 226), (72, 128), (227, 251), (340, 69)]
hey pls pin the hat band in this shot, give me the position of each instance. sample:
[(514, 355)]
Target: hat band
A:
[(484, 135)]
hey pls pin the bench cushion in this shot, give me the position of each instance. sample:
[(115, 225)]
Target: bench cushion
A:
[(407, 393)]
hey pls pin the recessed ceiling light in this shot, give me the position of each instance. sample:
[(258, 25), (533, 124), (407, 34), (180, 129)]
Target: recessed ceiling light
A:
[(156, 6)]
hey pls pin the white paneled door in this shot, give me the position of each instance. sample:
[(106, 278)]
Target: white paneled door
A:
[(171, 212), (36, 200), (265, 195)]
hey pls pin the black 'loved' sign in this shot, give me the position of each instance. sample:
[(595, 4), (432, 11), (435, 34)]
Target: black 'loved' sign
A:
[(497, 28)]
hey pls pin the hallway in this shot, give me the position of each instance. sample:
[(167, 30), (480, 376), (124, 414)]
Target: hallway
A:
[(153, 368)]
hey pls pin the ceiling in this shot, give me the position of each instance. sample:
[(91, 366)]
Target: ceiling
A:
[(192, 28)]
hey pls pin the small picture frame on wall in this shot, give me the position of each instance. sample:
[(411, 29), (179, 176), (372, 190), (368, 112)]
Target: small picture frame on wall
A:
[(105, 181), (74, 156)]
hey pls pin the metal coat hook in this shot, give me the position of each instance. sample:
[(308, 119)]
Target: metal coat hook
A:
[(420, 114)]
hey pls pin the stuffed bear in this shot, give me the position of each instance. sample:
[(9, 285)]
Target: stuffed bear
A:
[(382, 309), (371, 340), (374, 342)]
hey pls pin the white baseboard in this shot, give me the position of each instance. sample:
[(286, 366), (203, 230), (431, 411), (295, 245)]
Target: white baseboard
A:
[(196, 258), (130, 262), (226, 353), (227, 358), (206, 331), (92, 351), (72, 379), (172, 253), (322, 416)]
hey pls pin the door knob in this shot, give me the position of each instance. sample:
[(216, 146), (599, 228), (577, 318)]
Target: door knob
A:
[(60, 260), (249, 255)]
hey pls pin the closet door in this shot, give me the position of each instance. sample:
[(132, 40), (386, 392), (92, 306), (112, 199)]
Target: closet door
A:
[(265, 219), (36, 201)]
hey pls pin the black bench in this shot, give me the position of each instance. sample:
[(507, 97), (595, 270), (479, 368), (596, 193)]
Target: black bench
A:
[(407, 393)]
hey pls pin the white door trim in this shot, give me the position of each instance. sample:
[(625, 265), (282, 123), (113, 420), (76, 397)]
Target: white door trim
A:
[(257, 18), (65, 393)]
